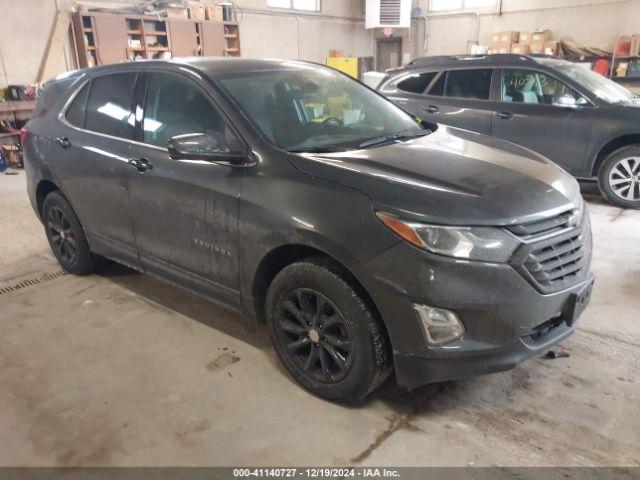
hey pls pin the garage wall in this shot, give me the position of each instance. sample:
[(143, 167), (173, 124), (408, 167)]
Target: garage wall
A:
[(591, 22), (305, 36), (24, 31), (26, 25)]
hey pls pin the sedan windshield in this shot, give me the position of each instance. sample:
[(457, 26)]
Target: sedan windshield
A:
[(597, 84), (318, 109)]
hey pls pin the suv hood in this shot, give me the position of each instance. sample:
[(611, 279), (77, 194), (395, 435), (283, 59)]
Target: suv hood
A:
[(453, 177)]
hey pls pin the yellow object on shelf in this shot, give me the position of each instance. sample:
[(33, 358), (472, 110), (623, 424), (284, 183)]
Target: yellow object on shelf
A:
[(348, 65)]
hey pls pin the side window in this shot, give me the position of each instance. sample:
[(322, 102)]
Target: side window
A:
[(109, 105), (469, 83), (176, 106), (75, 112), (437, 88), (417, 83), (529, 86)]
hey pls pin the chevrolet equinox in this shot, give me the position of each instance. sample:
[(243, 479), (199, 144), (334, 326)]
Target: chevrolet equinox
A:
[(368, 241)]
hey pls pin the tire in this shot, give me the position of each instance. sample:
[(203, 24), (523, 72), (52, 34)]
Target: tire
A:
[(619, 177), (66, 236), (319, 323)]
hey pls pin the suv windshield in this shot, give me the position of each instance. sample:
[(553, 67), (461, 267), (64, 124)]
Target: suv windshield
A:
[(597, 84), (306, 109)]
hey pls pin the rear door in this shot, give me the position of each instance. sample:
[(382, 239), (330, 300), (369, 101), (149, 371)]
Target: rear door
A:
[(185, 212), (460, 98), (526, 115), (91, 154)]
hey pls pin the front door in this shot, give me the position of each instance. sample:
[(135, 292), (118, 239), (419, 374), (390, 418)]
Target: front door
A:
[(93, 139), (185, 212), (525, 114)]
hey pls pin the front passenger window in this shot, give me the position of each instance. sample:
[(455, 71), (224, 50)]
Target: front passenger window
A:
[(529, 86), (176, 106)]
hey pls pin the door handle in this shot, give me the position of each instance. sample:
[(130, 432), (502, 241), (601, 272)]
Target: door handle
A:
[(431, 109), (141, 164), (505, 115), (63, 142)]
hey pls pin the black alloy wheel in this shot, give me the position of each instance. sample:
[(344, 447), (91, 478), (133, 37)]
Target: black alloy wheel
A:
[(325, 333), (66, 235), (63, 240), (315, 335)]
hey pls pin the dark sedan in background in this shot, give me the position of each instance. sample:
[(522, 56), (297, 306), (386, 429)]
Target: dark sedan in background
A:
[(587, 124)]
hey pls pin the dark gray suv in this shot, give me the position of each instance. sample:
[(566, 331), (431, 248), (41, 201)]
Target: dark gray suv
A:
[(288, 191), (584, 122)]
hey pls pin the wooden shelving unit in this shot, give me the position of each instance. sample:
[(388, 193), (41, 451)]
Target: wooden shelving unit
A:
[(104, 38), (89, 41), (156, 38), (614, 59), (135, 39), (232, 39)]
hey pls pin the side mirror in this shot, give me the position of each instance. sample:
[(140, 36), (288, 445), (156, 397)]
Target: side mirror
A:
[(207, 147), (564, 101)]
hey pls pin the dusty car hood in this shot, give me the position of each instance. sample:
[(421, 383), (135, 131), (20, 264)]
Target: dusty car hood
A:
[(452, 176)]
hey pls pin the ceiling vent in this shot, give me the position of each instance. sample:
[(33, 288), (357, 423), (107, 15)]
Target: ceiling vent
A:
[(388, 13)]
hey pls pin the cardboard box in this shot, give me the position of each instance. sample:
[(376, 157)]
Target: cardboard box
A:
[(540, 36), (521, 48), (495, 37), (197, 11), (509, 36), (214, 13), (552, 47), (177, 12), (537, 48), (500, 47), (525, 37)]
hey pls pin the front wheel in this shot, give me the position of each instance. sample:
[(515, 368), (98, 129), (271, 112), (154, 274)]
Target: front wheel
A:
[(324, 333), (619, 177)]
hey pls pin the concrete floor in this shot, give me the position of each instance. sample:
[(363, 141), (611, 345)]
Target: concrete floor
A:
[(121, 369)]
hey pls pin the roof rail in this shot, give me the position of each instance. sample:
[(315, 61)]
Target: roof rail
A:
[(490, 57)]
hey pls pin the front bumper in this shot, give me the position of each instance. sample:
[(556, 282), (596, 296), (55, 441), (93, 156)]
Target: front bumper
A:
[(506, 319), (415, 370)]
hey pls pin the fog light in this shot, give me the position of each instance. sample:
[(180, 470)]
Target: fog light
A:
[(440, 325)]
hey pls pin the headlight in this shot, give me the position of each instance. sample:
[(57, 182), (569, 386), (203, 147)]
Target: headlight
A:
[(487, 244)]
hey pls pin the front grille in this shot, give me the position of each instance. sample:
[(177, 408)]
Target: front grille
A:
[(546, 226), (558, 260)]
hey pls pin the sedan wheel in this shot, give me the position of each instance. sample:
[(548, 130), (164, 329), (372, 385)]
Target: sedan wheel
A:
[(619, 177), (624, 179)]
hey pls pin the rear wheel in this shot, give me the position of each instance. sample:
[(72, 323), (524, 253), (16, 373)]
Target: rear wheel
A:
[(324, 333), (65, 235), (619, 177)]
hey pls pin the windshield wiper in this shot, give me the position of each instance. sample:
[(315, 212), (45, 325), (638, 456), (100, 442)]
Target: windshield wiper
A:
[(314, 150), (392, 138)]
